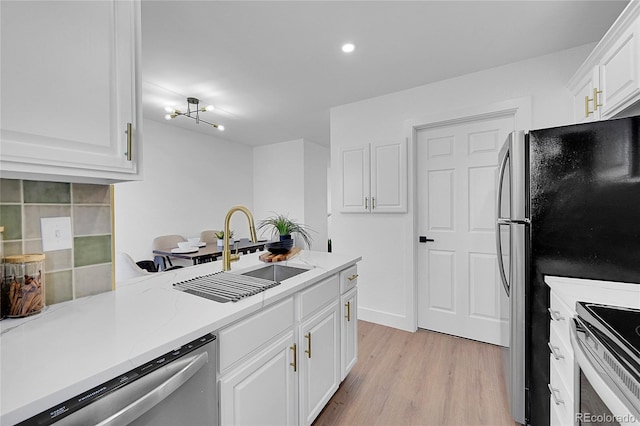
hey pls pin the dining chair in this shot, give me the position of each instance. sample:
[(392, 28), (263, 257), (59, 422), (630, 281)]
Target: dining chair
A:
[(163, 242), (208, 236), (126, 267)]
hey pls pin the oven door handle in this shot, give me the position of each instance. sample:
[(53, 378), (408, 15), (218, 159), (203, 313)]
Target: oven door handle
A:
[(598, 378), (186, 369)]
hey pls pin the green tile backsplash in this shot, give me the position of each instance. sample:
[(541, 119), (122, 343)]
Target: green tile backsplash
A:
[(58, 286), (85, 193), (11, 219), (86, 268), (10, 191), (91, 250), (92, 220), (46, 192)]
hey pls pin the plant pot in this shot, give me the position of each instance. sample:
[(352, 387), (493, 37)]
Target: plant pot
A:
[(285, 237), (221, 242)]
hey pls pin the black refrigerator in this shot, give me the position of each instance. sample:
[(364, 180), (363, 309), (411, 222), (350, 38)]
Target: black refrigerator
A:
[(568, 205)]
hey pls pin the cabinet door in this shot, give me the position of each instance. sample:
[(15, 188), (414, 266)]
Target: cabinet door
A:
[(354, 169), (262, 391), (618, 71), (582, 93), (389, 177), (69, 88), (349, 332), (319, 362)]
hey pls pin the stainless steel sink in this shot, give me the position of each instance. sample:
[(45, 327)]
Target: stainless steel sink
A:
[(274, 272)]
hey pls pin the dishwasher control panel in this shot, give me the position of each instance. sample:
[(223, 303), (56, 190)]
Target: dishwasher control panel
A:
[(62, 410)]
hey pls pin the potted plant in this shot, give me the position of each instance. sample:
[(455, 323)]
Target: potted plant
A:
[(284, 227), (220, 237)]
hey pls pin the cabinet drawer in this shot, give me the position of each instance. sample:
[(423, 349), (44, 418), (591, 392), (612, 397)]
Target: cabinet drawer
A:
[(560, 314), (319, 295), (348, 278), (561, 398), (242, 338), (564, 362)]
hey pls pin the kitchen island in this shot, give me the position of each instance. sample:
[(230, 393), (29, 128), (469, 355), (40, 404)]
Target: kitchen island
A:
[(73, 346)]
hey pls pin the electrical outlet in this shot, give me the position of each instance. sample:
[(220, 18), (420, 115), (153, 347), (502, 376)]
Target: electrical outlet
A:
[(56, 233)]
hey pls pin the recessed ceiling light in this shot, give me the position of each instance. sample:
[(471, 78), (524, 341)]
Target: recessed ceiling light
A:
[(348, 47)]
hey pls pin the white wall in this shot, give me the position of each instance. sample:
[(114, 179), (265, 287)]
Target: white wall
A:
[(291, 178), (386, 242), (190, 182), (278, 181), (316, 163)]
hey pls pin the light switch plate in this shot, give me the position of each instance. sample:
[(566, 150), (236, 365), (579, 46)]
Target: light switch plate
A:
[(56, 233)]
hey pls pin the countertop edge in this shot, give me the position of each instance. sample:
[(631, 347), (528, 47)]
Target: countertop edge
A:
[(323, 266)]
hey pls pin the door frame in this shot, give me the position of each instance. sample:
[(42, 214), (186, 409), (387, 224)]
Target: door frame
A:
[(520, 108)]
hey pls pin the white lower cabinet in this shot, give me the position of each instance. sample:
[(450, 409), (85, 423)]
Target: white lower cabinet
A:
[(349, 332), (282, 364), (562, 367), (319, 361), (264, 390)]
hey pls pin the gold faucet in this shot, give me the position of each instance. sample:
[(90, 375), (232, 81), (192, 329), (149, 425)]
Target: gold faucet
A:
[(227, 257)]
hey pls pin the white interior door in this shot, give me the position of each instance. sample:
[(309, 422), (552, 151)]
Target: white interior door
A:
[(459, 290)]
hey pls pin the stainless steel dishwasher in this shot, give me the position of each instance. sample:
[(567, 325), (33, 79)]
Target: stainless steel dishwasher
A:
[(177, 388)]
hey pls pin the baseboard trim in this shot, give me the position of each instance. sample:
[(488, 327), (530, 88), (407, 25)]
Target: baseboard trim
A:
[(386, 319)]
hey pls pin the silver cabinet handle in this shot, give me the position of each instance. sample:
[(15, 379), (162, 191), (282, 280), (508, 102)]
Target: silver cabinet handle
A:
[(366, 203), (553, 392), (555, 315), (555, 351), (140, 406)]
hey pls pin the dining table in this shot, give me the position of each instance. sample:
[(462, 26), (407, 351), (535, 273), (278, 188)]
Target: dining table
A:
[(211, 251)]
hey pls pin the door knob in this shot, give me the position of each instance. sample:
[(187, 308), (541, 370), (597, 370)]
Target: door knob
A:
[(424, 239)]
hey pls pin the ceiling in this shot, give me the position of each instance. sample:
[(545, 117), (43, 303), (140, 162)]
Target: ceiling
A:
[(273, 69)]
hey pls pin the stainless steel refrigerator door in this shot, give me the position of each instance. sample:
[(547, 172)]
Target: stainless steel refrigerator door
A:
[(511, 229), (516, 349)]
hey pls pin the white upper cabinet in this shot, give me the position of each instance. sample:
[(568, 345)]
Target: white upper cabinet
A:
[(582, 91), (608, 82), (374, 178), (355, 179), (71, 90)]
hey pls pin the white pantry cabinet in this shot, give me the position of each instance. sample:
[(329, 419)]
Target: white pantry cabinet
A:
[(71, 105), (608, 81), (374, 178)]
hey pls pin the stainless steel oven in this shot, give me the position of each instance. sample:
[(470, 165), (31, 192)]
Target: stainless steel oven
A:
[(606, 345)]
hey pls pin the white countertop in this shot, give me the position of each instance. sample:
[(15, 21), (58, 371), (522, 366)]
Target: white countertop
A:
[(572, 290), (73, 346)]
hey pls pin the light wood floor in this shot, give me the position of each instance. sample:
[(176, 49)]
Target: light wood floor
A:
[(422, 378)]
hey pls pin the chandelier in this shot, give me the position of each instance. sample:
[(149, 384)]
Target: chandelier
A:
[(193, 112)]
